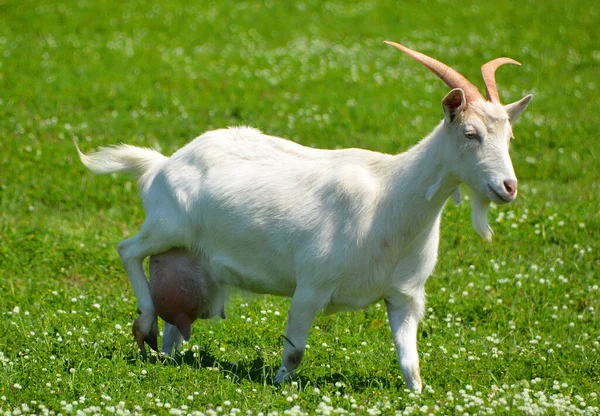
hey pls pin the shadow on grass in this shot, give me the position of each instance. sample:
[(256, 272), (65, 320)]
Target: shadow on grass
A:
[(258, 371), (255, 371)]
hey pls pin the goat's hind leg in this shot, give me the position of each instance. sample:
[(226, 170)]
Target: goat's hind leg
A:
[(133, 251), (171, 340)]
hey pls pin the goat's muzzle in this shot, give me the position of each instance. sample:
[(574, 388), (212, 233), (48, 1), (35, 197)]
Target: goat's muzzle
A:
[(510, 186)]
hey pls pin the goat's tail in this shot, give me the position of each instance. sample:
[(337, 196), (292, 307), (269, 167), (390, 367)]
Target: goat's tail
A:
[(122, 158)]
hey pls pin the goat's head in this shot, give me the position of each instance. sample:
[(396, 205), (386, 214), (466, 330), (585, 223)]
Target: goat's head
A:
[(479, 133)]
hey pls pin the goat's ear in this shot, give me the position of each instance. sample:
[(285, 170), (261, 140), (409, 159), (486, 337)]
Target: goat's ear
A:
[(454, 103), (515, 109)]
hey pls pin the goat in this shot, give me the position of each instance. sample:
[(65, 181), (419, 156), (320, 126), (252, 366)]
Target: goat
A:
[(332, 229)]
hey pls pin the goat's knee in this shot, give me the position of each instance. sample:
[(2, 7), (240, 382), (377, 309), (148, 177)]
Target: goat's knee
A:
[(125, 249)]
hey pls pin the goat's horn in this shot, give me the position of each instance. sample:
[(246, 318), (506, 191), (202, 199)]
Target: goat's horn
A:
[(488, 71), (450, 76)]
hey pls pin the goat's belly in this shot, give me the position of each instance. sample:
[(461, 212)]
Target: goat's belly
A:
[(342, 304), (353, 294), (250, 277)]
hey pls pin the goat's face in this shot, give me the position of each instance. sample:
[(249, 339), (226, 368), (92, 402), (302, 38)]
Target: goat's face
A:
[(481, 131), (480, 135)]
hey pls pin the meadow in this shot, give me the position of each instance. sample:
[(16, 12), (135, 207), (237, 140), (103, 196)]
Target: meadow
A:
[(511, 327)]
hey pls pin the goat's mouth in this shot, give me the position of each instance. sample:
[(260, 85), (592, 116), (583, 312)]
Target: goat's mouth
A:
[(500, 198)]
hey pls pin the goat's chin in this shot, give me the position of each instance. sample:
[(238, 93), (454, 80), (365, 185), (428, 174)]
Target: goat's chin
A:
[(479, 208)]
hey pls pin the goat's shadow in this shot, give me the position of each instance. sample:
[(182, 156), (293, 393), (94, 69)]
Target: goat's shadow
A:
[(256, 370), (259, 371)]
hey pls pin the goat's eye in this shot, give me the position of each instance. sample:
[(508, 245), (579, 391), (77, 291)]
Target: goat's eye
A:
[(471, 135)]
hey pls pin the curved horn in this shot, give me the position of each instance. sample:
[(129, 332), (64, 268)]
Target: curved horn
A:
[(450, 76), (488, 71)]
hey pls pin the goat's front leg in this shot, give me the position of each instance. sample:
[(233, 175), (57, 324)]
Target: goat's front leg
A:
[(133, 251), (404, 313), (171, 340), (305, 306)]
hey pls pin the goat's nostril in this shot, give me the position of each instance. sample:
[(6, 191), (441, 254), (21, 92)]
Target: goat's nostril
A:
[(510, 185)]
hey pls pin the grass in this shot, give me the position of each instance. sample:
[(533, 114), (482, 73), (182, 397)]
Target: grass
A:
[(511, 327)]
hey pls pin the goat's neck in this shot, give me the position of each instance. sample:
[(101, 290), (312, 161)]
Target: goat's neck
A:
[(420, 184)]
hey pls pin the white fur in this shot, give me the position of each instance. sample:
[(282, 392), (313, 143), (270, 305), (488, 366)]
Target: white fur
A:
[(333, 229)]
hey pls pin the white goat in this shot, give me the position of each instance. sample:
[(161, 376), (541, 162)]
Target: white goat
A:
[(333, 229)]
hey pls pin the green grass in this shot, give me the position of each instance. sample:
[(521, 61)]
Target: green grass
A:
[(511, 327)]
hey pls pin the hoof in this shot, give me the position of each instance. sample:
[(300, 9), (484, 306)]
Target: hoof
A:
[(145, 337), (282, 375)]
